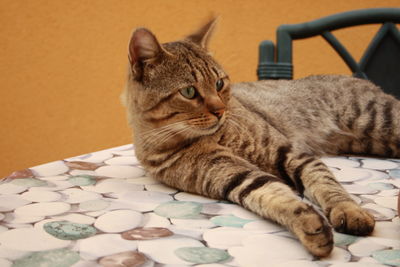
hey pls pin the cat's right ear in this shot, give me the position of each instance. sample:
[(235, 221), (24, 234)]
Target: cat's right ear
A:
[(143, 47), (202, 36)]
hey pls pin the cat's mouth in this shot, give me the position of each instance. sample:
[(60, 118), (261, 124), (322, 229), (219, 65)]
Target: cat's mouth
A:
[(213, 128)]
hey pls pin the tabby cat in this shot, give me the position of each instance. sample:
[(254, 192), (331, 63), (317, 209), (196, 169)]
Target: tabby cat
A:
[(255, 143)]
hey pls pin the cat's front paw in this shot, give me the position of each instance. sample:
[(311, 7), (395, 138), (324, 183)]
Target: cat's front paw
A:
[(313, 231), (349, 218)]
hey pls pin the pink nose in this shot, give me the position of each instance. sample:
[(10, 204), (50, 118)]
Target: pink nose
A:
[(218, 113)]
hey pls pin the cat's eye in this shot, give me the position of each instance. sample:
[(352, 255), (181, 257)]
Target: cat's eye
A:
[(189, 92), (219, 84)]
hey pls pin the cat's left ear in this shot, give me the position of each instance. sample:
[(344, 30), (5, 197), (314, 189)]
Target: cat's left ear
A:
[(143, 46), (203, 35)]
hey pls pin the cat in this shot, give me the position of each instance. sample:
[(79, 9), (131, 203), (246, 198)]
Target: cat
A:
[(257, 144)]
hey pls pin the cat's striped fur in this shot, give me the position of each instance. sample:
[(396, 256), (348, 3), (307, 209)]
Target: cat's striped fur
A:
[(255, 143)]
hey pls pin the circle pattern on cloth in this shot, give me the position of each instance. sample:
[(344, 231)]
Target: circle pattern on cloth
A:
[(59, 257), (82, 180), (146, 233), (43, 209), (127, 258), (33, 240), (202, 254), (118, 221), (69, 231), (179, 209)]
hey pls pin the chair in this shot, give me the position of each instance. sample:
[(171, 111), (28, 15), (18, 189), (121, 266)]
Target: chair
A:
[(380, 62)]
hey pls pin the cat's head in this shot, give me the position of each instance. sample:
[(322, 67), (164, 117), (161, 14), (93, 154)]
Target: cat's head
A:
[(176, 85)]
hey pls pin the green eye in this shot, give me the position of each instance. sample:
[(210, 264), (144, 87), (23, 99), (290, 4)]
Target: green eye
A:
[(189, 92), (219, 84)]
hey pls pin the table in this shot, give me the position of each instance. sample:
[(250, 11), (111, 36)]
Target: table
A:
[(101, 209)]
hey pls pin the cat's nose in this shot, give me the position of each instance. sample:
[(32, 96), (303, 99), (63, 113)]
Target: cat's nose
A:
[(218, 113), (215, 106)]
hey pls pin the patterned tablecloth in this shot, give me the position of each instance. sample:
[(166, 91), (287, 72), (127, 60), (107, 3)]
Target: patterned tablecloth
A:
[(101, 209)]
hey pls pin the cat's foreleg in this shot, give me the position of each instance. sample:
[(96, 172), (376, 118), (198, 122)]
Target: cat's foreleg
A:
[(320, 185), (277, 201), (222, 175)]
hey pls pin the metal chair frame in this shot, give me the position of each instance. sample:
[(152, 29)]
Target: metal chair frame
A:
[(380, 60)]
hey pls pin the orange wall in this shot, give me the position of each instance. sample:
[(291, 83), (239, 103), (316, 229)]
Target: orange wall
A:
[(63, 62)]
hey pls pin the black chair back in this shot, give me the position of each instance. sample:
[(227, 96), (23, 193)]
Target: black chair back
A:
[(380, 62)]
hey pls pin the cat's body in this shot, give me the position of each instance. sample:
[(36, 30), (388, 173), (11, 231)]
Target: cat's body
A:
[(253, 143)]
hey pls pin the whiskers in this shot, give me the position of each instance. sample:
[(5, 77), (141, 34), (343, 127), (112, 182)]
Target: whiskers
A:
[(160, 136), (154, 138)]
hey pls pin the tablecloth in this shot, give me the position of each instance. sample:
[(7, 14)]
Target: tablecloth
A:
[(101, 209)]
